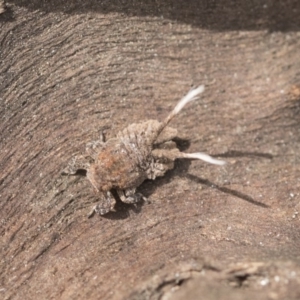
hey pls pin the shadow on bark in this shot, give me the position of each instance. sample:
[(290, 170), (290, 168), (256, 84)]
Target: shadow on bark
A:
[(271, 15)]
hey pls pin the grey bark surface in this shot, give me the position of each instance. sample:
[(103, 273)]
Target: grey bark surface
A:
[(71, 69)]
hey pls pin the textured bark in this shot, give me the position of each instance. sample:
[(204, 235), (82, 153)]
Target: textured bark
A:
[(70, 69), (2, 7)]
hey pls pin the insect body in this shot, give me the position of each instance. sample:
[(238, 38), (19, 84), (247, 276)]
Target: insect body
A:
[(141, 151)]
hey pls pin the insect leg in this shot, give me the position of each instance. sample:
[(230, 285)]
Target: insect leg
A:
[(130, 196), (78, 162), (104, 206)]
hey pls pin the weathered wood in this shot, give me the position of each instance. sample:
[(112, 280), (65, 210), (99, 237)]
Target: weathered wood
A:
[(2, 7), (70, 69)]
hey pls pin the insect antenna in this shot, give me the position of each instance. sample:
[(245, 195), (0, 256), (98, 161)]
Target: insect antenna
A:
[(190, 96)]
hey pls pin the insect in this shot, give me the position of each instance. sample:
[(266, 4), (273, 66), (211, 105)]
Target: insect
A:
[(141, 151)]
